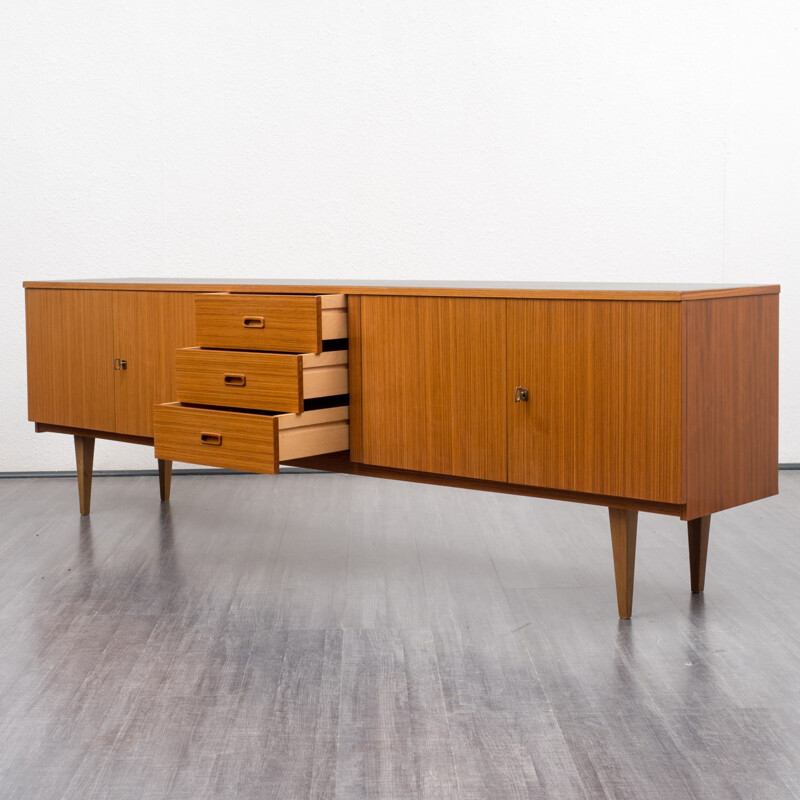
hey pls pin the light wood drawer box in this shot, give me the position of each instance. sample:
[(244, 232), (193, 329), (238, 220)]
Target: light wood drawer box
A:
[(282, 323), (254, 442), (262, 381)]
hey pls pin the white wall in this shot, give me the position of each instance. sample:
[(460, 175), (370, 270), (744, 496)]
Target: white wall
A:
[(476, 139)]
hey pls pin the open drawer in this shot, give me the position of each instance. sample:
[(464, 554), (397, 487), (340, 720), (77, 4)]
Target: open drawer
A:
[(283, 323), (260, 381), (249, 441)]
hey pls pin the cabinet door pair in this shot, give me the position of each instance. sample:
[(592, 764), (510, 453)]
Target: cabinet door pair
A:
[(442, 382), (100, 360)]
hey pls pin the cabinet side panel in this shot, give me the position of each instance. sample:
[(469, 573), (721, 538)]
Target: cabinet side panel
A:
[(148, 328), (433, 381), (70, 357), (732, 402), (604, 409), (354, 379)]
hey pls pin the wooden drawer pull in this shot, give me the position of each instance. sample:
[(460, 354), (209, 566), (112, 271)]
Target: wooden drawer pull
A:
[(235, 380), (253, 322), (211, 438)]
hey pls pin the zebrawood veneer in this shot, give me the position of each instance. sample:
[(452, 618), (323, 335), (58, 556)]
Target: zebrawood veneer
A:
[(259, 381), (637, 397)]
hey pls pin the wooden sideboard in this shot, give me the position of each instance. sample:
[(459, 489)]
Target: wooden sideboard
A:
[(659, 398)]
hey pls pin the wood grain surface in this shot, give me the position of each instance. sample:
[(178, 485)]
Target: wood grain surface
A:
[(286, 323), (73, 341), (164, 479), (266, 381), (318, 416), (312, 433), (604, 413), (698, 530), (658, 405), (732, 402), (433, 380), (70, 341), (255, 380), (148, 327), (246, 441), (354, 335), (624, 523), (310, 440), (252, 442), (325, 374), (84, 459)]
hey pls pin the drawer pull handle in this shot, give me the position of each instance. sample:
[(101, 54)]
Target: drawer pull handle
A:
[(253, 322), (211, 438), (235, 380), (520, 395)]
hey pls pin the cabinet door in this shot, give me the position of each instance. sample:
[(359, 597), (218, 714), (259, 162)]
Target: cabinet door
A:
[(148, 328), (604, 413), (70, 357), (433, 377)]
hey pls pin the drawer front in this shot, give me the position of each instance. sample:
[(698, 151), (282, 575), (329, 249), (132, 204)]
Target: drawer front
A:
[(214, 438), (280, 323), (260, 381), (250, 442)]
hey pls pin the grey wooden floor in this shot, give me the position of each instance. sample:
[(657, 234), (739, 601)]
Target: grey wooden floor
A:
[(318, 636)]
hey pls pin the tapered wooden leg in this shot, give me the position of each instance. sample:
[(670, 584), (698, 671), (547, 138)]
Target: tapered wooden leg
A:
[(698, 550), (84, 458), (164, 478), (623, 546)]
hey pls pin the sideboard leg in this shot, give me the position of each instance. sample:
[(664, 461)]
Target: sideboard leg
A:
[(698, 550), (623, 545), (164, 478), (84, 458)]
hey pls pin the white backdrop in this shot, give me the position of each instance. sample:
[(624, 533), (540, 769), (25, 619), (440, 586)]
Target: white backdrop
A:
[(468, 139)]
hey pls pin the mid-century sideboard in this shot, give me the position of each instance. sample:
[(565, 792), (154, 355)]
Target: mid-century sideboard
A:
[(658, 398)]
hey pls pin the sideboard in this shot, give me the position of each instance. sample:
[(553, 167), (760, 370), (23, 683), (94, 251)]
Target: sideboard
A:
[(660, 398)]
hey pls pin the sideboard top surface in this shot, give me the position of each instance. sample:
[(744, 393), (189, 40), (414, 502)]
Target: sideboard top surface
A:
[(551, 290)]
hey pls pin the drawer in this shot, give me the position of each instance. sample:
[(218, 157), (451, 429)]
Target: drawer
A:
[(261, 381), (254, 442), (284, 323)]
